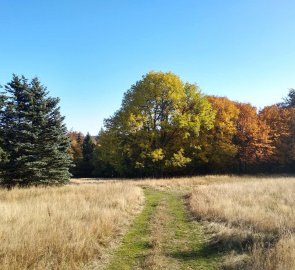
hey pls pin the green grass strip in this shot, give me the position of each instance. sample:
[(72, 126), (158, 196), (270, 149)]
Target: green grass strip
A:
[(188, 243), (135, 244), (186, 246)]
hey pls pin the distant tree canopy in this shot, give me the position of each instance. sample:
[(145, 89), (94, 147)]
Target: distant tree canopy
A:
[(33, 138), (156, 129), (76, 152), (82, 148), (166, 127), (281, 122), (289, 101), (218, 151)]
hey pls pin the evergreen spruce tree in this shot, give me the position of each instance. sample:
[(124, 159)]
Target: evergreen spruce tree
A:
[(87, 151), (289, 101), (34, 136), (2, 106)]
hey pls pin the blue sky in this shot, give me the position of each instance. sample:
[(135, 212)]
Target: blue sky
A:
[(89, 53)]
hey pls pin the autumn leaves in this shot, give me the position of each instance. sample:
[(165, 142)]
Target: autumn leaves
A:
[(166, 127)]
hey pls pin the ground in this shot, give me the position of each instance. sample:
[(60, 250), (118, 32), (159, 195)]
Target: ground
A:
[(212, 222), (164, 237)]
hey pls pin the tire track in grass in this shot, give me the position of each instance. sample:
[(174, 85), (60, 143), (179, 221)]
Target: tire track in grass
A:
[(163, 237), (188, 244), (135, 245), (159, 238)]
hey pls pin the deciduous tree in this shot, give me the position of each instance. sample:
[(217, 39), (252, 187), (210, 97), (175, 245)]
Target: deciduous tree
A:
[(159, 120), (253, 138), (218, 150), (281, 122), (76, 153)]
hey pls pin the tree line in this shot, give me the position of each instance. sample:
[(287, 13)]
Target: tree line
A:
[(166, 127)]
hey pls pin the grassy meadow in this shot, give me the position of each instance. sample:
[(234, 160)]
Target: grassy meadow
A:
[(210, 222), (68, 227)]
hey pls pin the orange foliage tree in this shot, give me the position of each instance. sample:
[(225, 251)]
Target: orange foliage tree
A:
[(253, 139), (281, 123), (218, 150)]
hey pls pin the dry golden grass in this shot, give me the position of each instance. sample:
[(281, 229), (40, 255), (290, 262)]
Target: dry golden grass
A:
[(156, 259), (264, 205), (255, 215), (76, 226), (68, 227), (179, 183), (280, 257)]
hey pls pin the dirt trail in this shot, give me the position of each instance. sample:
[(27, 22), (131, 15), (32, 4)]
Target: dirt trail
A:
[(163, 237)]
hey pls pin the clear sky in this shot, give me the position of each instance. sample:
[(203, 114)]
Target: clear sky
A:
[(90, 52)]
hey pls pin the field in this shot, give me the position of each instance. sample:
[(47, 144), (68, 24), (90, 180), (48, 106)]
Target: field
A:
[(255, 216), (64, 227), (212, 222)]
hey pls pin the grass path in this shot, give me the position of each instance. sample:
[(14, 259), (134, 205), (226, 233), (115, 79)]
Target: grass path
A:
[(163, 237)]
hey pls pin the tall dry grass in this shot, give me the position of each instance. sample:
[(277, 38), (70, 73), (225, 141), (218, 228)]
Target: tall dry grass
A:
[(256, 215), (68, 227), (264, 205), (176, 184)]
